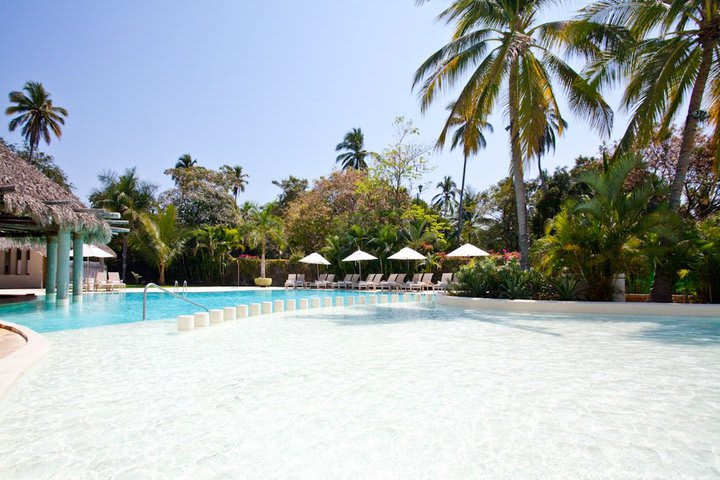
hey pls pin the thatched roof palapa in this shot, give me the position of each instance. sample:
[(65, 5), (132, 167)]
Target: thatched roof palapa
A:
[(31, 204)]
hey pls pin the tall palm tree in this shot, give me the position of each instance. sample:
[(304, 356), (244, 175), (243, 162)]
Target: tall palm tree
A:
[(262, 227), (445, 199), (126, 194), (236, 178), (673, 61), (36, 114), (501, 46), (469, 128), (555, 126), (354, 157), (185, 161), (160, 240)]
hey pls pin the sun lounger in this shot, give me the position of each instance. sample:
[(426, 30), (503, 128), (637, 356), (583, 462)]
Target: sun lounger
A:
[(290, 282), (299, 281), (387, 284), (427, 280), (415, 283), (353, 279), (114, 281), (325, 283), (101, 281), (311, 283), (445, 280), (341, 283), (360, 284)]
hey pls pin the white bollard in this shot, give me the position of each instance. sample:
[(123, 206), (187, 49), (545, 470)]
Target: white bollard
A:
[(382, 298), (339, 301), (362, 300), (372, 299), (315, 303), (254, 309), (303, 304), (278, 306), (290, 305), (350, 301), (216, 317), (327, 302), (266, 307), (202, 319), (241, 311), (229, 313), (185, 323), (394, 298)]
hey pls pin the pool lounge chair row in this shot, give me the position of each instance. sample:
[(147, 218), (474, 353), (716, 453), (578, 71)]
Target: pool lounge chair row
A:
[(374, 281), (104, 281)]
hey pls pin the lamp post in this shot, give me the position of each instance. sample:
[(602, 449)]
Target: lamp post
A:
[(420, 187)]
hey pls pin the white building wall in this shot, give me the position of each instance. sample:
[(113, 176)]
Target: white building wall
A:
[(21, 269)]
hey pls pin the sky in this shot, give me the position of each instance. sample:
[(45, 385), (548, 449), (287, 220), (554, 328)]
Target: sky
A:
[(272, 86)]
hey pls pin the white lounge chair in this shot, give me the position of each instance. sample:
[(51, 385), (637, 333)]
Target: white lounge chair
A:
[(290, 282), (299, 281), (415, 283), (342, 282), (360, 284), (101, 281), (387, 284), (325, 283), (114, 281), (444, 282)]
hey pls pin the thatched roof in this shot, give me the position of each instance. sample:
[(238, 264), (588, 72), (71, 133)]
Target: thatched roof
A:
[(36, 204)]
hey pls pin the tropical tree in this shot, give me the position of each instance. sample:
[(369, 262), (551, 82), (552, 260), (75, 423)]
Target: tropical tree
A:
[(186, 161), (263, 227), (610, 231), (469, 126), (672, 62), (235, 178), (161, 240), (36, 114), (445, 200), (555, 126), (501, 46), (126, 194), (354, 146)]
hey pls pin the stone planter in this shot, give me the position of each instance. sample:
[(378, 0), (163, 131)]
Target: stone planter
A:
[(263, 282)]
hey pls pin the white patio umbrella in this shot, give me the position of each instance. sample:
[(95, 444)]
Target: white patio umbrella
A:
[(358, 257), (315, 259), (468, 250), (91, 251), (408, 254)]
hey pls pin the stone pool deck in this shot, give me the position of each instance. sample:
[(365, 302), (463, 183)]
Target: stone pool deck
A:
[(20, 349)]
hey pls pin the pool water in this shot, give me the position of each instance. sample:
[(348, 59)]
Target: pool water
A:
[(392, 391), (112, 309)]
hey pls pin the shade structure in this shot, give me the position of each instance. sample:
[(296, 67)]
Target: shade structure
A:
[(468, 250), (359, 256), (94, 252), (407, 253), (315, 259)]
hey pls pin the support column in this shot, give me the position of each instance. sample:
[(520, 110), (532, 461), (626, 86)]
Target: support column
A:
[(63, 264), (51, 264), (77, 271)]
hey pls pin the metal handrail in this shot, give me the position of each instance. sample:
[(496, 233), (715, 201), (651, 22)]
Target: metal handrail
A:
[(169, 293)]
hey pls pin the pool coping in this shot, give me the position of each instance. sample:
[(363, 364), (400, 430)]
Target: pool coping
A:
[(557, 306), (22, 359)]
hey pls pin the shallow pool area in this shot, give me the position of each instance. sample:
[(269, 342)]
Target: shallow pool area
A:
[(101, 309), (387, 391)]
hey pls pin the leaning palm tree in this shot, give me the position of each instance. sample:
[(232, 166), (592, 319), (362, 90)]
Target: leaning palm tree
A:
[(502, 47), (126, 194), (236, 178), (672, 62), (36, 114), (469, 128), (445, 199), (262, 227), (354, 157), (160, 240)]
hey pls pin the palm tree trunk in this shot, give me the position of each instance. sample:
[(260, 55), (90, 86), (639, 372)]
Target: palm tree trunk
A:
[(161, 280), (124, 257), (663, 283), (460, 206), (262, 261), (517, 170), (32, 152)]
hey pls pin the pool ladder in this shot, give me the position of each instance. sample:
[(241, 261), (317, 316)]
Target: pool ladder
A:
[(176, 288), (165, 290)]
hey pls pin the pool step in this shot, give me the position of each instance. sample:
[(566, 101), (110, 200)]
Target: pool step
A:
[(217, 316)]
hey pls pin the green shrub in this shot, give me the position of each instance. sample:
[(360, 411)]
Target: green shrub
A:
[(488, 279)]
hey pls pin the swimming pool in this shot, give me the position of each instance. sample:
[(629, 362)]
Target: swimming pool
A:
[(113, 309), (392, 391)]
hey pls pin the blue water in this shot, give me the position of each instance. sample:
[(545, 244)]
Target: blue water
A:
[(112, 309)]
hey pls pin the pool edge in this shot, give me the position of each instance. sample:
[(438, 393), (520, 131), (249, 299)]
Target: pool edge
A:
[(22, 359)]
